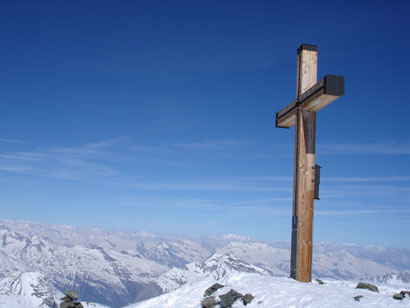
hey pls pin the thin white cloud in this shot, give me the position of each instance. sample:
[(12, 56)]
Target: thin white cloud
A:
[(248, 184), (16, 169), (164, 147), (367, 179), (12, 141), (208, 186), (89, 148), (74, 163), (388, 148), (24, 156), (147, 148), (372, 211), (228, 144), (371, 188), (190, 203)]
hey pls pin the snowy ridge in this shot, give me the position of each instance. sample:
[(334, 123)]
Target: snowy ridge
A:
[(216, 267), (27, 290), (31, 290), (219, 266), (280, 292), (393, 278), (105, 276), (273, 259)]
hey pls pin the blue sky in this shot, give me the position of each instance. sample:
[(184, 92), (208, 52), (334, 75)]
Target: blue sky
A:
[(159, 115)]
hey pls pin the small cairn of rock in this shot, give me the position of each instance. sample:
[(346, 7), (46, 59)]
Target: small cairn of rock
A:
[(226, 300), (319, 281), (70, 300), (358, 298)]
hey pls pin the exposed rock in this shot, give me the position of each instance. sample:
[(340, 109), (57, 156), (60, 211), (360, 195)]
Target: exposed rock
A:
[(70, 300), (405, 292), (212, 289), (229, 298), (319, 281), (358, 297), (367, 286), (247, 299), (71, 305), (209, 302), (72, 294), (399, 296)]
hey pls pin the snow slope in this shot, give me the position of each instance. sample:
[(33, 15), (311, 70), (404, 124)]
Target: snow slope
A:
[(280, 292), (26, 290), (31, 290), (216, 267)]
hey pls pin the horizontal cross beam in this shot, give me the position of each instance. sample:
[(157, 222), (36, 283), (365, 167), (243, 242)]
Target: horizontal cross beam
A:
[(318, 96)]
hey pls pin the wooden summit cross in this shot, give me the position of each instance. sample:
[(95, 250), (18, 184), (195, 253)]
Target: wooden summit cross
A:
[(311, 96)]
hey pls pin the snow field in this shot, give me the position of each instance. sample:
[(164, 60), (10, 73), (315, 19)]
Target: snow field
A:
[(280, 292)]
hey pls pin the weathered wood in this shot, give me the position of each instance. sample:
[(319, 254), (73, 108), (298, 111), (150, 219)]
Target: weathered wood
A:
[(307, 68), (315, 98), (303, 191), (306, 124), (310, 97)]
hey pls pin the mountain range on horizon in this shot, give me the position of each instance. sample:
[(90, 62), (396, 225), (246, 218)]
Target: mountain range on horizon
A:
[(116, 268)]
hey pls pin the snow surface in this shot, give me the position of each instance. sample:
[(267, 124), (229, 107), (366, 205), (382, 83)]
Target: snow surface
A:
[(25, 290), (31, 290), (281, 292)]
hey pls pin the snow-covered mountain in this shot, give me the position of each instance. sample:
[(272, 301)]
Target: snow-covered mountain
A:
[(27, 290), (393, 278), (216, 267), (118, 268), (31, 290), (106, 276)]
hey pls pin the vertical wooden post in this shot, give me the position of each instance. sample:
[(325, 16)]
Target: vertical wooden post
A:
[(304, 173), (311, 96)]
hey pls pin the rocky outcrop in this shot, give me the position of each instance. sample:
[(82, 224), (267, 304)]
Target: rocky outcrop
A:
[(70, 300), (209, 302), (401, 295), (367, 286), (398, 296), (226, 300), (212, 289)]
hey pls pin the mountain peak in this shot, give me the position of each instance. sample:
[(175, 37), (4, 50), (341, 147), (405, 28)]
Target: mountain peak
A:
[(235, 237), (28, 290)]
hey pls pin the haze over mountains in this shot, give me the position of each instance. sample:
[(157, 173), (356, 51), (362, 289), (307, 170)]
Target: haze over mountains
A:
[(119, 268)]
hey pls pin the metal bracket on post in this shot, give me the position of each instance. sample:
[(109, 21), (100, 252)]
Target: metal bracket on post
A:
[(294, 248), (317, 181)]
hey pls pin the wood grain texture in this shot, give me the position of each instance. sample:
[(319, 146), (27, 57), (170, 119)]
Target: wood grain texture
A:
[(313, 99), (307, 73), (311, 96), (303, 190), (305, 193)]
